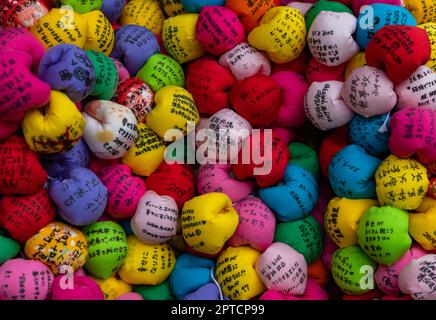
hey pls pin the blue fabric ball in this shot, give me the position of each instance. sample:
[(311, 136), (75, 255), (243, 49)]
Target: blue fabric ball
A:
[(351, 173), (190, 273), (195, 6), (373, 17), (372, 133), (294, 197)]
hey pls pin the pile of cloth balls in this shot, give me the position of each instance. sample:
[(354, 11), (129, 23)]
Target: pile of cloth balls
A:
[(104, 105)]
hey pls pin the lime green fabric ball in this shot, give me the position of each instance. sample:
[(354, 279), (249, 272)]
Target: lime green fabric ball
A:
[(353, 271), (384, 234), (107, 248), (160, 71), (83, 6)]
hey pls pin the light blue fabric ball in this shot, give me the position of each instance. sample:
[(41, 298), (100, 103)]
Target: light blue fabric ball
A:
[(195, 6), (372, 133), (373, 17), (190, 273), (294, 197), (351, 173)]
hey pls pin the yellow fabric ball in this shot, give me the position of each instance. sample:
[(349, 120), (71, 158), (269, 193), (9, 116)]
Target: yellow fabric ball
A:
[(342, 218), (208, 221), (358, 61), (100, 35), (175, 106), (423, 10), (422, 225), (147, 264), (55, 129), (178, 36), (430, 28), (58, 245), (147, 154), (61, 26), (236, 274), (144, 13), (173, 7), (401, 183), (281, 33), (113, 287)]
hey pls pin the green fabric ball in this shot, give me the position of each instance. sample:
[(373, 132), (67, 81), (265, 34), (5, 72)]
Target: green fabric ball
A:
[(353, 271), (160, 71), (107, 248), (304, 235), (83, 6), (160, 292), (106, 75), (324, 6), (9, 248), (383, 234), (304, 156)]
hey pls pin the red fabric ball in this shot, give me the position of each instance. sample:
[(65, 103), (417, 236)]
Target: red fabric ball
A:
[(175, 180), (399, 50), (253, 150), (97, 164), (20, 170), (209, 83), (257, 99), (24, 216), (320, 72), (331, 145)]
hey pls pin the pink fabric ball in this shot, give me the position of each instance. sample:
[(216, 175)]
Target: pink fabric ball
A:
[(413, 130), (324, 106), (123, 73), (293, 89), (329, 249), (130, 296), (314, 291), (417, 278), (155, 220), (386, 277), (369, 92), (218, 29), (80, 288), (225, 133), (245, 61), (283, 269), (124, 190), (218, 178), (256, 224), (418, 90), (24, 280), (286, 134)]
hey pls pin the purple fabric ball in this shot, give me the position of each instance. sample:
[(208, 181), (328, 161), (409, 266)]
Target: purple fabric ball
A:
[(56, 164), (79, 195), (67, 68), (112, 9), (133, 46)]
